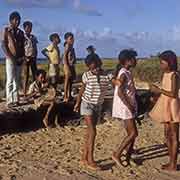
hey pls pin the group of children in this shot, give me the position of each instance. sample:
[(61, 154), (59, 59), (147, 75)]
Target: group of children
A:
[(21, 49), (94, 88)]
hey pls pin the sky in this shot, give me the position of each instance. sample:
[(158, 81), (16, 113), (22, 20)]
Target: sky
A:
[(110, 25)]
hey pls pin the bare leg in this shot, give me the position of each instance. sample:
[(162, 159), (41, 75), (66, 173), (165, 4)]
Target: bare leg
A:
[(70, 88), (128, 140), (174, 140), (167, 134), (91, 129), (26, 77), (84, 158), (66, 88), (46, 118)]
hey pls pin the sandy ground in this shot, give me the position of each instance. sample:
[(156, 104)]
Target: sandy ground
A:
[(54, 154)]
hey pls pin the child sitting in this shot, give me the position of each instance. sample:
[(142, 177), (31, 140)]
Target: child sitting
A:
[(42, 95)]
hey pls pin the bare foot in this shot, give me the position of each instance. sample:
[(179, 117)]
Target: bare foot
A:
[(93, 166), (169, 167), (65, 100), (116, 159), (121, 161), (83, 162), (45, 121)]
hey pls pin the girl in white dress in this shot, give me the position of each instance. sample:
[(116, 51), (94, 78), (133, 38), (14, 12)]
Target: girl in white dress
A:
[(124, 105)]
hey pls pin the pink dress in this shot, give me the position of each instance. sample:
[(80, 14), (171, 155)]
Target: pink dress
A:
[(120, 110), (167, 109)]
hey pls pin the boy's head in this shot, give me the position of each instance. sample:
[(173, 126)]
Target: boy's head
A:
[(15, 19), (90, 49), (128, 57), (41, 75), (168, 61), (54, 38), (69, 38), (27, 25), (92, 63)]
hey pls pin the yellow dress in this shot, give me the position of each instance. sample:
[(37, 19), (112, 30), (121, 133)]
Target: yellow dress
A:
[(167, 109)]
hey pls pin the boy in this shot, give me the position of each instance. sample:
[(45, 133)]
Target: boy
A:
[(95, 84), (69, 65), (42, 95), (52, 52), (13, 47), (30, 46), (91, 50)]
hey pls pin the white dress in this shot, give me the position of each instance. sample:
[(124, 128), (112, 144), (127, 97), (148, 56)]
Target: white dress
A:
[(120, 110)]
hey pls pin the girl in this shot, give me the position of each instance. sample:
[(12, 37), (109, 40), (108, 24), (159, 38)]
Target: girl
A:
[(167, 110), (91, 97), (125, 106)]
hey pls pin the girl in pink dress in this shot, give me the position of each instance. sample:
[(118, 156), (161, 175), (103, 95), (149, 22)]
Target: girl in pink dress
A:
[(167, 108), (125, 106)]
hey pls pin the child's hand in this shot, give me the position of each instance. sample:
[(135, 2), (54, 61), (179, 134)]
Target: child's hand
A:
[(76, 107), (132, 109), (154, 88)]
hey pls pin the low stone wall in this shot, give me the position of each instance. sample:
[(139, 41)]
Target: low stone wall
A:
[(28, 118)]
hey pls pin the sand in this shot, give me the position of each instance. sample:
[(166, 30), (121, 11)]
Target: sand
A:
[(54, 154)]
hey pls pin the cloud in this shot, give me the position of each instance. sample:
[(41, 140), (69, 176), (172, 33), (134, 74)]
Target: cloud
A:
[(75, 5), (37, 3), (108, 43), (86, 8)]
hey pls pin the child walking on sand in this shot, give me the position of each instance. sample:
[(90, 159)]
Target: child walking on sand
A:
[(52, 52), (91, 97), (125, 105), (167, 108)]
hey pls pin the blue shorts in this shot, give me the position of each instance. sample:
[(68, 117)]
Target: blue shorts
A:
[(89, 109)]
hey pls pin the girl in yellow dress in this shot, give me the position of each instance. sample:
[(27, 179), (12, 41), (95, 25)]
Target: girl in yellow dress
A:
[(167, 108)]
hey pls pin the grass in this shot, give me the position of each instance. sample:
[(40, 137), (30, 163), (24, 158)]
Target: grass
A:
[(146, 70)]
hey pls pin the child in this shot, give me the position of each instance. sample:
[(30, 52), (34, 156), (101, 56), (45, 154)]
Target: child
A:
[(166, 110), (91, 97), (91, 50), (125, 105), (13, 47), (52, 52), (42, 94), (69, 65), (30, 46)]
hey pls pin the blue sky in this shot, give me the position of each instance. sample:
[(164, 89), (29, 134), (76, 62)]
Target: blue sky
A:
[(147, 26)]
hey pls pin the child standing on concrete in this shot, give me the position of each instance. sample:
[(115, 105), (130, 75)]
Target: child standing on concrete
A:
[(30, 46), (52, 52), (13, 47), (69, 65)]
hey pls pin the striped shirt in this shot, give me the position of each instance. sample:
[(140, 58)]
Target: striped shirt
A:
[(95, 91)]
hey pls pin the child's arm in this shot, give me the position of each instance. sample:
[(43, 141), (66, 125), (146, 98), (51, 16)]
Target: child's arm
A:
[(115, 82), (45, 53), (65, 55), (174, 90), (4, 45), (78, 101), (32, 95), (121, 93)]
